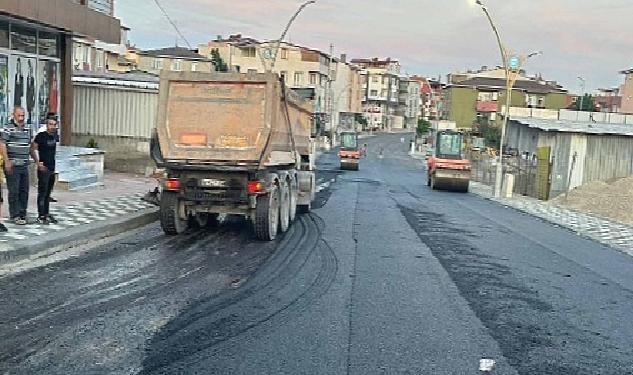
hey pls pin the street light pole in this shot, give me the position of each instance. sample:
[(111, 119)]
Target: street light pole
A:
[(283, 34), (582, 95), (510, 80)]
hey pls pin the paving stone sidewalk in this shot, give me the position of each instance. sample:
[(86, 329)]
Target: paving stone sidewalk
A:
[(605, 231), (76, 214)]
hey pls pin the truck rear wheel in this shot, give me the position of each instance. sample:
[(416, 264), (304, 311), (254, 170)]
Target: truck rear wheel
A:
[(284, 207), (293, 199), (170, 220), (267, 216)]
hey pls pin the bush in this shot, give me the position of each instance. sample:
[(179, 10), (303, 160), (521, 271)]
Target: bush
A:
[(92, 143)]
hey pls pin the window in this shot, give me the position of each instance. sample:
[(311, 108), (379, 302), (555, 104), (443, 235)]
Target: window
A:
[(248, 52), (493, 116), (4, 34), (284, 76), (373, 93), (313, 78), (298, 78), (157, 64), (487, 96), (176, 65), (252, 71), (100, 59), (47, 44), (284, 53), (23, 39), (194, 66), (374, 79), (384, 93)]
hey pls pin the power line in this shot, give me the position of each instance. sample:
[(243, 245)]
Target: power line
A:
[(172, 23)]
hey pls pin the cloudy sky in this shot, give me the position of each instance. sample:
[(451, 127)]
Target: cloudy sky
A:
[(588, 38)]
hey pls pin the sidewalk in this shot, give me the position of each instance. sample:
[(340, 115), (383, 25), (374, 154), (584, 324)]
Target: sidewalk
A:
[(83, 216), (602, 230)]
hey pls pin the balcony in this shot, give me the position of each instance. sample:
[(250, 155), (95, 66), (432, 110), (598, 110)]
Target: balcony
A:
[(487, 106)]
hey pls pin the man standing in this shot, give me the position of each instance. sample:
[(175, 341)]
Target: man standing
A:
[(45, 143), (18, 138)]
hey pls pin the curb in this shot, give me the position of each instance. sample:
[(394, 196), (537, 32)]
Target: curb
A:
[(72, 237)]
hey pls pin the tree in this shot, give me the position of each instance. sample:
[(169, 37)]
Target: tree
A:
[(423, 127), (219, 64), (587, 104)]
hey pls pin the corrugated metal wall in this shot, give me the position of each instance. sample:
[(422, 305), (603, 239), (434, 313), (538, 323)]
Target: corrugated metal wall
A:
[(608, 157), (114, 111)]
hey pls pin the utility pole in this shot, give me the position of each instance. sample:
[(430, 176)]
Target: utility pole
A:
[(329, 95), (582, 96)]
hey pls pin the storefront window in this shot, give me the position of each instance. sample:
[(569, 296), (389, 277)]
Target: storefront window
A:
[(4, 34), (47, 44), (23, 39)]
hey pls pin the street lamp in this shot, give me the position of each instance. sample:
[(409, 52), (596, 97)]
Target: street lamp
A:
[(512, 65), (582, 95), (283, 34)]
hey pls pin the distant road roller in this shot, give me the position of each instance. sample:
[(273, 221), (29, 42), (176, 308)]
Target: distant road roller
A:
[(349, 154)]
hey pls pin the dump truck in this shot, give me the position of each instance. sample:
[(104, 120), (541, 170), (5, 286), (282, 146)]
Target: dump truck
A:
[(349, 154), (448, 169), (232, 143)]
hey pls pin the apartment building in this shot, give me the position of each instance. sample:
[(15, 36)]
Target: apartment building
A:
[(102, 6), (432, 104), (380, 80), (170, 58), (331, 83), (409, 101), (93, 55), (626, 91)]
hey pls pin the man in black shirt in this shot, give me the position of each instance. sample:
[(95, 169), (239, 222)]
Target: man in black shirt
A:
[(46, 145)]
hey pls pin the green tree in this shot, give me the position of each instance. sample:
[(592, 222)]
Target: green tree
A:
[(587, 104), (219, 64), (423, 127)]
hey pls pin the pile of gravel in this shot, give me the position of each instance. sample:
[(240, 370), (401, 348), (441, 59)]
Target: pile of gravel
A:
[(613, 200)]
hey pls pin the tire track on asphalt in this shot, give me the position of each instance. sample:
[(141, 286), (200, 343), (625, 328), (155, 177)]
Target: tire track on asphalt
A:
[(300, 271)]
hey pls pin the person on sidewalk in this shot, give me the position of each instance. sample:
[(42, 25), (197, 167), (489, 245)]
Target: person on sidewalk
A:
[(45, 144), (5, 164), (43, 129), (18, 138)]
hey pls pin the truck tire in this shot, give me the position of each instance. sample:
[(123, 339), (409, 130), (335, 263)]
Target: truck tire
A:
[(293, 199), (267, 216), (284, 207), (171, 223)]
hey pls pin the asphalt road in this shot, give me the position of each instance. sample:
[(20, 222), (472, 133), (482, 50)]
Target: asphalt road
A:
[(384, 277)]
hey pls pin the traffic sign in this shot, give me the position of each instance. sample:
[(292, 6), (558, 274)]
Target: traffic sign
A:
[(514, 62)]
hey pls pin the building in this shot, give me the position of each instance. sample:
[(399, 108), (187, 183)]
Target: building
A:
[(92, 55), (36, 62), (382, 92), (577, 152), (432, 106), (170, 58), (409, 101), (608, 100), (331, 83), (480, 100), (626, 91)]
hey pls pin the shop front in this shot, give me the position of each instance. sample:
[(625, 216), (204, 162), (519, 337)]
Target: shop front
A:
[(36, 56)]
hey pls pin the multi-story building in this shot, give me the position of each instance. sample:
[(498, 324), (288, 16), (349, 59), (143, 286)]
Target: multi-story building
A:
[(36, 64), (432, 106), (170, 58), (409, 101), (608, 100), (331, 83), (481, 100), (381, 86), (626, 91), (96, 56)]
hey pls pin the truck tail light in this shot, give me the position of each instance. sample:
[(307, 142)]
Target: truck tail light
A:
[(255, 187), (172, 184)]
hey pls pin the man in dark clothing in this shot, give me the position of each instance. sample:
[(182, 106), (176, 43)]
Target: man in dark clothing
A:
[(45, 144), (18, 139)]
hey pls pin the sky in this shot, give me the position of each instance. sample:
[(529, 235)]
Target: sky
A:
[(592, 39)]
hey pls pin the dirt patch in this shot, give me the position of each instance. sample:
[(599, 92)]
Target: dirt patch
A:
[(613, 199)]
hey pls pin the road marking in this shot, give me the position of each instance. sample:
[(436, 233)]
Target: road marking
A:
[(486, 364)]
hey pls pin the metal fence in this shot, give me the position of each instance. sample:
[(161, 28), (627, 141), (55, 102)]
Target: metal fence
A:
[(522, 167), (114, 111)]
